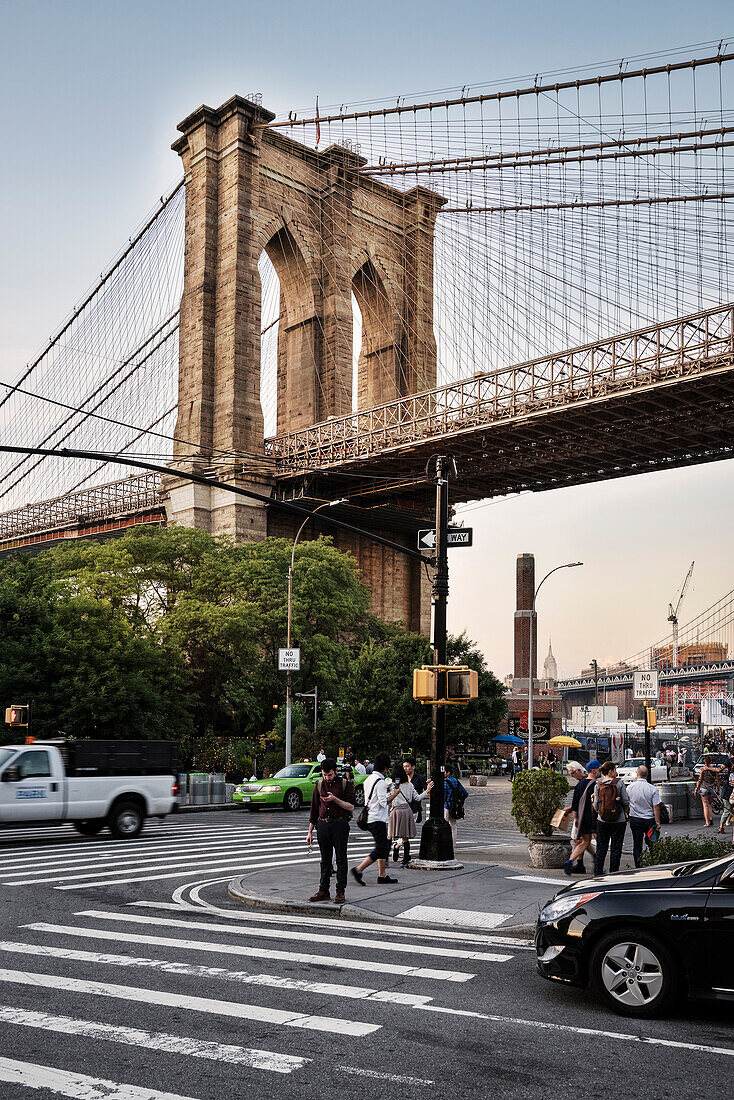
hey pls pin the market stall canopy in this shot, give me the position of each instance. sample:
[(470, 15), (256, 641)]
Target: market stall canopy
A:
[(565, 742)]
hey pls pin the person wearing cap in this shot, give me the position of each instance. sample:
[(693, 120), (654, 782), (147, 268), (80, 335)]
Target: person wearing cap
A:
[(584, 817)]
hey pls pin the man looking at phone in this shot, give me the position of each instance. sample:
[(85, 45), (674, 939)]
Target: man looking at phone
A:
[(331, 806)]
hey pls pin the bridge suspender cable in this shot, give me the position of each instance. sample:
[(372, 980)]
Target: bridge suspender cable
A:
[(199, 479)]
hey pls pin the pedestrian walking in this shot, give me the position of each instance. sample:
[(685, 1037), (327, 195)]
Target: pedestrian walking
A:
[(454, 797), (401, 825), (514, 762), (320, 756), (644, 812), (726, 786), (584, 814), (708, 781), (331, 807), (377, 802), (611, 804), (359, 768)]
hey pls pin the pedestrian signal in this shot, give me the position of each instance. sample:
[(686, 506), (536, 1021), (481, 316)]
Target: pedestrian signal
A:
[(462, 685), (652, 718), (424, 685), (16, 716)]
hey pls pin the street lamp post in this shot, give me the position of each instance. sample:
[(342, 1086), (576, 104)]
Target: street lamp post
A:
[(568, 565), (288, 693), (315, 696)]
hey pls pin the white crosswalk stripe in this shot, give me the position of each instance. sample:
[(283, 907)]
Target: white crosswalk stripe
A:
[(89, 959), (176, 853)]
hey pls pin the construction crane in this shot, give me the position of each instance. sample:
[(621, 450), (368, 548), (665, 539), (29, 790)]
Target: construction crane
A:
[(673, 618), (673, 613)]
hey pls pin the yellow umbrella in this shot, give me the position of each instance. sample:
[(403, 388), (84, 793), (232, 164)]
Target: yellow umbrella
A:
[(566, 742)]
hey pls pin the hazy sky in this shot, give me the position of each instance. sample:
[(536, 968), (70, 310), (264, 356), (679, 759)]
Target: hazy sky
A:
[(92, 94)]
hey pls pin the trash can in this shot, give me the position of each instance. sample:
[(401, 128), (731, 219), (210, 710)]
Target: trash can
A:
[(182, 780), (198, 788), (218, 789)]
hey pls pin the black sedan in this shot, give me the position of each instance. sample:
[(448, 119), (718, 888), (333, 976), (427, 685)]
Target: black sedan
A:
[(644, 938)]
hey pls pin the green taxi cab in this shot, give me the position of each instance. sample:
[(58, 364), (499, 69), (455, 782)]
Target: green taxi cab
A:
[(291, 787)]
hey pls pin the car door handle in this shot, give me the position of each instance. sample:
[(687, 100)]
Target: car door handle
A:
[(54, 786)]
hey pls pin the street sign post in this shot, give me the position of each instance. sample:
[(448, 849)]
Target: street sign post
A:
[(289, 660), (456, 536), (645, 686)]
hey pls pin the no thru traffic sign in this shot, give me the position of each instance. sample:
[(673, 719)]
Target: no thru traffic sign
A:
[(289, 660), (645, 685), (457, 536)]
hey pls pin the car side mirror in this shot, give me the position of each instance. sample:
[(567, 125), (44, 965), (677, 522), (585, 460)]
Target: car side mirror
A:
[(11, 774)]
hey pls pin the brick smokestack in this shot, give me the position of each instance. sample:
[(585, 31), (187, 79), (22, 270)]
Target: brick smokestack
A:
[(525, 590)]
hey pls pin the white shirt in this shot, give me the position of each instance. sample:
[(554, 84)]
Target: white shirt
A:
[(360, 769), (643, 796), (375, 799), (628, 754), (321, 756)]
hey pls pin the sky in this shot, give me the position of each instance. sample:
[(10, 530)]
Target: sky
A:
[(93, 92)]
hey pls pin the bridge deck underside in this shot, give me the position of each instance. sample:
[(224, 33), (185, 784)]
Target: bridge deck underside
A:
[(676, 423)]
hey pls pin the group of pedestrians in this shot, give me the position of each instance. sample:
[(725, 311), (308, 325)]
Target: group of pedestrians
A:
[(714, 786), (392, 804), (602, 806)]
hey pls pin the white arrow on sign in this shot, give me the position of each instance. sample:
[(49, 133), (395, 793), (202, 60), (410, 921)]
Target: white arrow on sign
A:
[(456, 536)]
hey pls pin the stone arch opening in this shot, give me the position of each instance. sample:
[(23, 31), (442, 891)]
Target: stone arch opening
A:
[(381, 373), (299, 335), (269, 327)]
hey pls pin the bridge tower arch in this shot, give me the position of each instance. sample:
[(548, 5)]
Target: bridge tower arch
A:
[(329, 231)]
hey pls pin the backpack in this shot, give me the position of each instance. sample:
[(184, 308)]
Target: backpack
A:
[(610, 801), (456, 799)]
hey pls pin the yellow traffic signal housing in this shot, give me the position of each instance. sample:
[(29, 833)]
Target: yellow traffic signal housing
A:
[(424, 685), (462, 685), (16, 716), (652, 718)]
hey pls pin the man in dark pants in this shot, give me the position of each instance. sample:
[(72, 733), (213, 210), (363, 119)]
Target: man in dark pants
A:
[(611, 803), (331, 805)]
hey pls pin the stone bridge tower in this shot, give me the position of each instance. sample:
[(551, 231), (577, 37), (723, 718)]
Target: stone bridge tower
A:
[(330, 232)]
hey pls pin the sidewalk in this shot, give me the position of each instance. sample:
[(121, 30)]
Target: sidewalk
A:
[(479, 897)]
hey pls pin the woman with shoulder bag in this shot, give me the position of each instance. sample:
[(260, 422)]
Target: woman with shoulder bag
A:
[(376, 810), (705, 787), (401, 826)]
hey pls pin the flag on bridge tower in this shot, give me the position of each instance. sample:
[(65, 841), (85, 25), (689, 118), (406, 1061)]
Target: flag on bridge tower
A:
[(318, 124)]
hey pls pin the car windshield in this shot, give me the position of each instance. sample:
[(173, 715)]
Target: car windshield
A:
[(293, 771), (5, 755), (636, 763)]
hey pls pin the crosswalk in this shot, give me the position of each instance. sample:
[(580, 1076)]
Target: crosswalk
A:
[(167, 852), (246, 991)]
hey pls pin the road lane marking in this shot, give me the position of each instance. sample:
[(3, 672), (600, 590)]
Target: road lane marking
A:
[(311, 937), (539, 878), (234, 864), (597, 1033), (463, 917), (236, 1009), (154, 1040), (78, 1086), (327, 989), (243, 950)]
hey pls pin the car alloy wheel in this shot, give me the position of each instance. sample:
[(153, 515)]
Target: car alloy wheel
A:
[(632, 974), (359, 796), (293, 800)]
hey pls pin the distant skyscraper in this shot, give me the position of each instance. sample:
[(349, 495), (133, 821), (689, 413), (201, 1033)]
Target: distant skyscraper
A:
[(550, 668)]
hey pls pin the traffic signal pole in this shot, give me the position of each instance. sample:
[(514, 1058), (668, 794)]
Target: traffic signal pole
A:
[(436, 840)]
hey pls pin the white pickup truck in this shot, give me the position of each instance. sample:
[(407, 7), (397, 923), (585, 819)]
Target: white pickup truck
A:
[(91, 784)]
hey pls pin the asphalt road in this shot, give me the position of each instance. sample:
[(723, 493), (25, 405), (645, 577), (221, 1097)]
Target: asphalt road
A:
[(127, 973)]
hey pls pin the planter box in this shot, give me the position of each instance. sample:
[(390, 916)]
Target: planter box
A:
[(549, 851)]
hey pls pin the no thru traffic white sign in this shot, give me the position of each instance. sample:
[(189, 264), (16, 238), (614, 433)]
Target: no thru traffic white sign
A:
[(645, 685), (289, 660)]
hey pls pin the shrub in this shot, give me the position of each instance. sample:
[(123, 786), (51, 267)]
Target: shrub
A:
[(536, 795), (683, 849)]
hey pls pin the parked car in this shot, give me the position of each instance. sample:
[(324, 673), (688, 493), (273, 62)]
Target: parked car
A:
[(291, 787), (644, 938), (627, 772), (714, 758), (91, 784)]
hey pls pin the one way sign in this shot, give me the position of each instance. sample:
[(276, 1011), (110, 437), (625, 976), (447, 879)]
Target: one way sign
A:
[(457, 536)]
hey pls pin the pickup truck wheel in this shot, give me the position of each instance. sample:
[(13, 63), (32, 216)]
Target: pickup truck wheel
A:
[(126, 820), (89, 828)]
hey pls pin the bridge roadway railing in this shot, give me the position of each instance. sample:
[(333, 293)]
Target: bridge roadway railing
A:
[(675, 349), (123, 497), (715, 670)]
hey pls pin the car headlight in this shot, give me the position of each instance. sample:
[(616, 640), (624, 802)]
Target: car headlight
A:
[(565, 905), (269, 790), (238, 790)]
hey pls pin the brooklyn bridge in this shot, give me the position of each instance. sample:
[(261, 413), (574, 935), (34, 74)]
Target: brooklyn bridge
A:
[(535, 280)]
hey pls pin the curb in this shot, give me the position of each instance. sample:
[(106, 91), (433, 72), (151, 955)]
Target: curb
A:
[(207, 808), (355, 912)]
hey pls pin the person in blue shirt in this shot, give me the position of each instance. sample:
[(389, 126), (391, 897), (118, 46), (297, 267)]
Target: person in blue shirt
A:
[(454, 795)]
